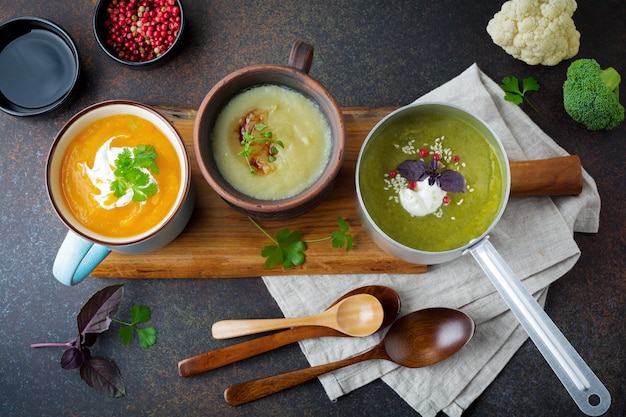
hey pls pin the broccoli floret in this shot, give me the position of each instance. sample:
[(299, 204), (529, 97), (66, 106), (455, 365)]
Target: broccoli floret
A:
[(591, 95)]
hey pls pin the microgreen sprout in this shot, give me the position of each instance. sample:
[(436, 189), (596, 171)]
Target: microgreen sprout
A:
[(249, 142)]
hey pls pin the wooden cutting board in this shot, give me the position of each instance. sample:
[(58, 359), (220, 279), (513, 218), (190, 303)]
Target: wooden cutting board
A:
[(219, 242)]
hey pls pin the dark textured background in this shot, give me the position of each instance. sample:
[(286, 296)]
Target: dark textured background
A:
[(367, 53)]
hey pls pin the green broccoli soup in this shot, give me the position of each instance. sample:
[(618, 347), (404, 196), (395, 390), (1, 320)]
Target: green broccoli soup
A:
[(431, 182)]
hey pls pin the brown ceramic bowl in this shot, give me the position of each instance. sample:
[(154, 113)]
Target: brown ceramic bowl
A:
[(293, 77)]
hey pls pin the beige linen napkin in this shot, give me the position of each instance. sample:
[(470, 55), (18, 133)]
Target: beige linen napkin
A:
[(534, 235)]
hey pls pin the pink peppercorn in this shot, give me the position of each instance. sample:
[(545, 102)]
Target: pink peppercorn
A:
[(141, 30)]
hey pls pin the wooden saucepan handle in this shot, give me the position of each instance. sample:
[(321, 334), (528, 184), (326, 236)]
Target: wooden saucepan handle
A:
[(554, 176)]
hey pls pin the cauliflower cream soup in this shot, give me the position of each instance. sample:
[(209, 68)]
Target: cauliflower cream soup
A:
[(431, 182), (271, 142), (120, 176)]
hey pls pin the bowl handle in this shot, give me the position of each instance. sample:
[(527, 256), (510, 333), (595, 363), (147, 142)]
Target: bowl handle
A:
[(301, 56), (77, 258)]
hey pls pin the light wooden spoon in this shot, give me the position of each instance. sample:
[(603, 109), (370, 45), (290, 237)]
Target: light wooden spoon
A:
[(358, 315)]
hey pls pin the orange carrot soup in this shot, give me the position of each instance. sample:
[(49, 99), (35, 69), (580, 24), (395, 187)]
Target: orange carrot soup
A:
[(120, 176)]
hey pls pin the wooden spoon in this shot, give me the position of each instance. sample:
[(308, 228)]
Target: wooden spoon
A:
[(418, 339), (389, 299), (358, 315)]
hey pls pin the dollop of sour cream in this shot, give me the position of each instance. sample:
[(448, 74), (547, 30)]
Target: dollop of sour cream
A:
[(424, 199), (102, 175)]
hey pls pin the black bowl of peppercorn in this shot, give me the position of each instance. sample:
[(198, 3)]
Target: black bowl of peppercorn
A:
[(138, 33)]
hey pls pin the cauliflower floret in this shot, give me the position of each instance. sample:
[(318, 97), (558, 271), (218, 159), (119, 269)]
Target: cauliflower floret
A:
[(536, 31)]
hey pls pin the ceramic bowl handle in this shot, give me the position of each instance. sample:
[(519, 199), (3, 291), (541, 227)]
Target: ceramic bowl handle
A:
[(301, 56), (76, 259), (585, 388)]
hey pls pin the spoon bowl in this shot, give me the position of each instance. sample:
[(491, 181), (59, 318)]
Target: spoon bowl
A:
[(428, 336), (357, 315), (419, 339), (389, 299)]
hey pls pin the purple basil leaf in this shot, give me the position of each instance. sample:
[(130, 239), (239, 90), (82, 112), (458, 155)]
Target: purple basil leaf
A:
[(451, 181), (95, 315), (103, 375), (434, 164), (413, 170), (74, 357), (88, 339)]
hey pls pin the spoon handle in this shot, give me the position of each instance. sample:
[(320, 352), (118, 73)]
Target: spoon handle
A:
[(583, 385), (225, 329), (253, 390), (220, 357)]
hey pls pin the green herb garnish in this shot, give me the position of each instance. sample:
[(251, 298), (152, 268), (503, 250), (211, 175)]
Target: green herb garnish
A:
[(514, 94), (129, 173), (288, 249), (147, 335), (249, 142)]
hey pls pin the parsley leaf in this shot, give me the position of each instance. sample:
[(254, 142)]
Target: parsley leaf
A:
[(123, 162), (144, 156), (140, 314), (340, 237), (142, 193), (514, 94), (289, 248), (147, 335), (119, 187), (125, 334), (130, 172), (294, 254)]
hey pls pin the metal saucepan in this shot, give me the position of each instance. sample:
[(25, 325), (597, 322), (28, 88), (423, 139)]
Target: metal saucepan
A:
[(586, 389)]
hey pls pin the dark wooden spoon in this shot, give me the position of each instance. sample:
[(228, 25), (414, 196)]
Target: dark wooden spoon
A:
[(214, 359), (418, 339)]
